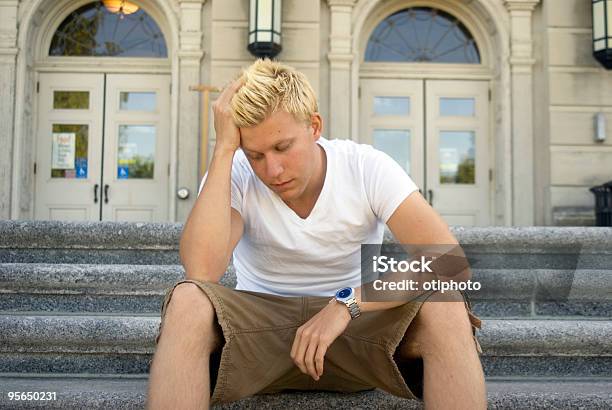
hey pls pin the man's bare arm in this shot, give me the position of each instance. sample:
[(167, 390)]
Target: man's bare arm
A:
[(213, 228)]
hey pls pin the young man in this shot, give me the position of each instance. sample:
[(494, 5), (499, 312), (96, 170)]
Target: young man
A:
[(293, 208)]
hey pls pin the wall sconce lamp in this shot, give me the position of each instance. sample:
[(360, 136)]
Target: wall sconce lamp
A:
[(602, 31), (600, 127), (265, 28)]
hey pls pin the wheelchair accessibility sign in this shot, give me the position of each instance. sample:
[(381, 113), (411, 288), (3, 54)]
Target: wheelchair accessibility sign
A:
[(81, 167), (123, 172)]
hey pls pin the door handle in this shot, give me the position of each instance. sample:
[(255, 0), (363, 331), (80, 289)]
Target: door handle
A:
[(430, 197), (96, 193), (106, 193)]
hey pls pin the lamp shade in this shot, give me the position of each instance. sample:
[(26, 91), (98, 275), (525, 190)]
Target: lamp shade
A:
[(120, 6), (265, 28), (602, 31)]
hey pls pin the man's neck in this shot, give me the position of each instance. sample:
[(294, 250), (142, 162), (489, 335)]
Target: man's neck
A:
[(304, 207)]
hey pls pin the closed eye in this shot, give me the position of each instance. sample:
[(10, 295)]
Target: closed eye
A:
[(284, 148), (256, 157)]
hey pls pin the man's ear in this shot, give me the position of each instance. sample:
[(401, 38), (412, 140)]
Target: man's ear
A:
[(316, 123)]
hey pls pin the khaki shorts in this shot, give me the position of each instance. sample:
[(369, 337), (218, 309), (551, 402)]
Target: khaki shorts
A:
[(259, 329)]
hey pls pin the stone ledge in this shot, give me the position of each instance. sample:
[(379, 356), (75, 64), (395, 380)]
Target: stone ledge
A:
[(16, 234), (120, 279), (136, 335), (31, 279), (130, 393), (88, 235), (139, 364)]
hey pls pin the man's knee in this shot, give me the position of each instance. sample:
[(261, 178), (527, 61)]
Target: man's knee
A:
[(190, 310), (437, 327)]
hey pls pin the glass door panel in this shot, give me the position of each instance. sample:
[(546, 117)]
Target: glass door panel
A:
[(137, 101), (70, 100), (395, 143), (457, 157), (136, 152), (391, 106), (457, 107)]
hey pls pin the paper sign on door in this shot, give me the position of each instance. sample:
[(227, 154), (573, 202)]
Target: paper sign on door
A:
[(64, 148)]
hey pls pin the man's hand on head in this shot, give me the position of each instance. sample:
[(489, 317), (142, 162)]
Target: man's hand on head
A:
[(226, 131), (314, 337)]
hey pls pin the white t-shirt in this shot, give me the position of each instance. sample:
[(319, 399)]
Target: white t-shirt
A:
[(282, 254)]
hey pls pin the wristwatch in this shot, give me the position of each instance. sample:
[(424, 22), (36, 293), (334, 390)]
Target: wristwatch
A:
[(347, 297)]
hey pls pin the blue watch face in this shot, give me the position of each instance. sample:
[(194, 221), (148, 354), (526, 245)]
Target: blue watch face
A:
[(343, 293)]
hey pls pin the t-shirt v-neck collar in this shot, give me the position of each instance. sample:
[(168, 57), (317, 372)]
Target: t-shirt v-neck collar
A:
[(322, 195)]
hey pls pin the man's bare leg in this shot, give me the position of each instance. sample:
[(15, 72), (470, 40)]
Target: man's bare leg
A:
[(179, 376), (441, 335)]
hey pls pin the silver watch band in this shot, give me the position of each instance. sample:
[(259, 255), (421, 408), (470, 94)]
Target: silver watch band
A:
[(353, 308)]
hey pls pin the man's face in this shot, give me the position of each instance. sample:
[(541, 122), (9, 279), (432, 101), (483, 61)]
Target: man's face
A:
[(283, 153)]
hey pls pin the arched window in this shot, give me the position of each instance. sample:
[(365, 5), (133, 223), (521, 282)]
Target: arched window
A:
[(94, 31), (422, 34)]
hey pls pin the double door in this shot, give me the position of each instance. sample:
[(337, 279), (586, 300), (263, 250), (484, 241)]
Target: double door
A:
[(102, 147), (437, 130)]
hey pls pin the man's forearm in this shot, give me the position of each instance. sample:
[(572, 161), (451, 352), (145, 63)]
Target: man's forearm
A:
[(206, 235)]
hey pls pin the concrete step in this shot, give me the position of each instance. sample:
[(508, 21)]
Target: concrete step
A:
[(89, 242), (91, 392), (117, 288), (157, 243), (124, 345), (82, 288)]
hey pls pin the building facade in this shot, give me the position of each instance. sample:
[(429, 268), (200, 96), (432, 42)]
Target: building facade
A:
[(488, 104)]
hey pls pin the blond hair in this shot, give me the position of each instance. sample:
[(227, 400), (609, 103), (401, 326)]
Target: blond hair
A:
[(270, 86)]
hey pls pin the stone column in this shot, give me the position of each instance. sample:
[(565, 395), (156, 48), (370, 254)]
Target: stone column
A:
[(8, 54), (521, 63), (190, 56), (340, 57)]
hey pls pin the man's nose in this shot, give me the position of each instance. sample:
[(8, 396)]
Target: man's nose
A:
[(274, 167)]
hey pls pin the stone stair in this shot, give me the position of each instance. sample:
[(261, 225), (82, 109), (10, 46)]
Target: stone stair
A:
[(80, 302)]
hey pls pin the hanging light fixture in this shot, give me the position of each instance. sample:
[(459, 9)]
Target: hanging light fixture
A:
[(265, 28), (121, 7), (602, 31)]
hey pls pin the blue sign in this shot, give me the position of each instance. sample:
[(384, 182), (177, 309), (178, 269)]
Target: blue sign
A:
[(80, 165), (123, 172)]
